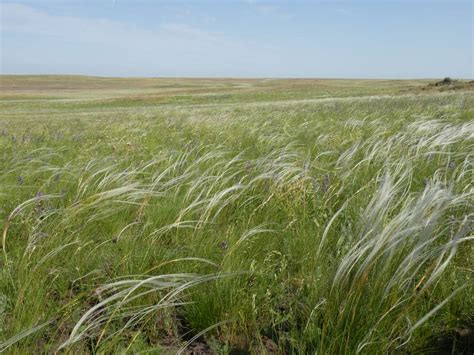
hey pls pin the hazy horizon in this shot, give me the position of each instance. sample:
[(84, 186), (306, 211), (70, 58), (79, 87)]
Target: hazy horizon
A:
[(230, 77), (239, 39)]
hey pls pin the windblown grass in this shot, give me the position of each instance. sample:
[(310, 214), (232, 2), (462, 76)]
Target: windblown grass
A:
[(289, 223)]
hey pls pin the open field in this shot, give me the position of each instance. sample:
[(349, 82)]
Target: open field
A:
[(235, 216)]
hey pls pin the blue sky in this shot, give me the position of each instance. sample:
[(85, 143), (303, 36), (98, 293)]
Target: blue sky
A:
[(247, 38)]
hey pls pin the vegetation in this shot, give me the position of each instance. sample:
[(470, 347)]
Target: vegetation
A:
[(199, 215)]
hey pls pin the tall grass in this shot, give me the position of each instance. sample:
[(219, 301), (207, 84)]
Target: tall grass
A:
[(333, 226)]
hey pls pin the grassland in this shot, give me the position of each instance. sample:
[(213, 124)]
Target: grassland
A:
[(235, 216)]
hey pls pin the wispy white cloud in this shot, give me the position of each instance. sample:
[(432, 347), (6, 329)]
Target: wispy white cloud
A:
[(175, 48), (266, 8), (19, 18)]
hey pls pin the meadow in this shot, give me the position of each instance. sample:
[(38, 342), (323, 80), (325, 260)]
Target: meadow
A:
[(235, 216)]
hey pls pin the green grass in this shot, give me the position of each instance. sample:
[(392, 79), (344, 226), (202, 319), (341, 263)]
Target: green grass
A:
[(294, 216)]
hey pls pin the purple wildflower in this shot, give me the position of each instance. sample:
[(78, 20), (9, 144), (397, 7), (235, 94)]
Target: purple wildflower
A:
[(326, 183), (39, 203)]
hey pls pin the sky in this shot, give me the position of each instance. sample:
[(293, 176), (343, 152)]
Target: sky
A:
[(239, 38)]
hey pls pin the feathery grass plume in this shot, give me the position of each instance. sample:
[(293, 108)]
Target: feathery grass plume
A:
[(18, 209), (4, 345), (124, 291)]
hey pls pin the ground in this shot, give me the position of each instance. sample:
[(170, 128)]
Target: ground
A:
[(235, 215)]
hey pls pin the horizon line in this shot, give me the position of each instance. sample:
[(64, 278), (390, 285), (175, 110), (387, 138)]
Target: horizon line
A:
[(234, 77)]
